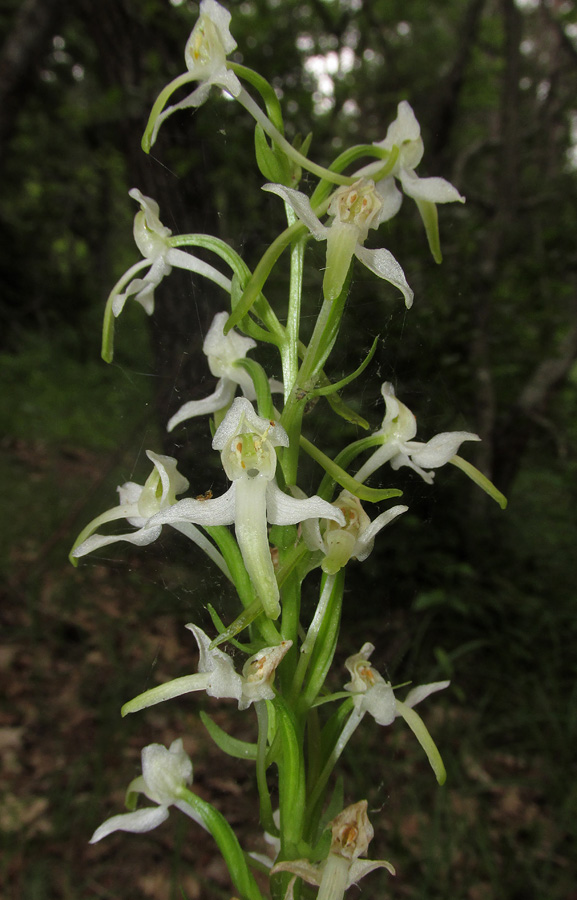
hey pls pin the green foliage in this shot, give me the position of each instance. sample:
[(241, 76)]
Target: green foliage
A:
[(53, 394)]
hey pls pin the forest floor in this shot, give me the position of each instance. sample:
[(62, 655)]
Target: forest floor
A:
[(77, 643)]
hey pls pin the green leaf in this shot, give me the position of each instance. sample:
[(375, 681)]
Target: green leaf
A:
[(338, 385), (326, 642), (346, 412), (246, 618), (272, 162), (230, 745), (247, 648), (291, 774)]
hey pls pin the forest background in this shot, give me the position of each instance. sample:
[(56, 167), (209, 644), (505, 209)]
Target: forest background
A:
[(459, 589)]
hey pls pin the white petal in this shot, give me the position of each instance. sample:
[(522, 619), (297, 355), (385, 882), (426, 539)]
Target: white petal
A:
[(137, 822), (285, 510), (220, 17), (200, 539), (302, 868), (129, 493), (361, 867), (183, 260), (378, 458), (172, 481), (435, 190), (404, 128), (242, 418), (226, 348), (220, 398), (220, 511), (420, 693), (379, 701), (399, 422), (365, 543), (440, 448), (384, 264), (391, 198), (276, 387), (312, 535), (224, 681), (144, 291), (302, 207), (140, 538), (165, 771)]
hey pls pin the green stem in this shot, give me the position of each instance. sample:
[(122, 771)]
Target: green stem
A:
[(256, 112), (239, 267), (351, 726), (294, 306), (227, 842), (291, 779), (266, 816), (308, 644)]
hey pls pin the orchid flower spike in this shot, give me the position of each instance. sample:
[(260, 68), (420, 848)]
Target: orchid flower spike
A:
[(138, 503), (354, 540), (404, 135), (247, 443), (205, 56), (217, 676), (372, 694), (223, 352), (354, 209), (398, 429), (165, 775), (351, 834)]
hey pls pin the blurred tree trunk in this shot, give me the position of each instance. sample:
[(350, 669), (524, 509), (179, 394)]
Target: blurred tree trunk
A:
[(530, 411), (446, 107), (34, 24), (184, 303), (505, 210)]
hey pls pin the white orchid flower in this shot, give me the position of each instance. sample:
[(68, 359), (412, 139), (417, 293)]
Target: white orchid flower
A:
[(399, 427), (138, 503), (372, 694), (223, 352), (354, 540), (404, 134), (217, 676), (351, 834), (153, 240), (165, 773), (247, 443), (205, 55), (355, 209)]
